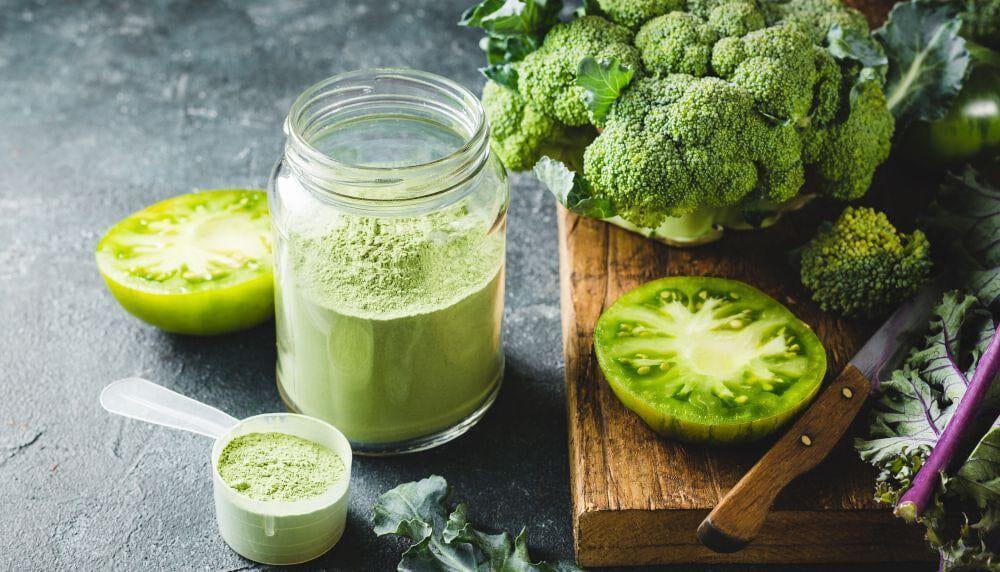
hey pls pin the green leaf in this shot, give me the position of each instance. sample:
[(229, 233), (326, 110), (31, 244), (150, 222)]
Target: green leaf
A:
[(506, 18), (572, 191), (503, 74), (918, 400), (603, 81), (964, 223), (413, 510), (928, 60), (433, 555), (507, 50), (854, 45), (417, 511)]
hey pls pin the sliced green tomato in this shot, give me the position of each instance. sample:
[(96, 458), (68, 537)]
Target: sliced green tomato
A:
[(194, 264), (708, 360)]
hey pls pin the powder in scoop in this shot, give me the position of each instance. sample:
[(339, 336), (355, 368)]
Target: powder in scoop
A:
[(278, 467)]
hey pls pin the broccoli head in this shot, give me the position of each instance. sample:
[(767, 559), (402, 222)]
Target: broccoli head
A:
[(677, 143), (632, 13), (843, 156), (547, 76), (520, 133), (815, 17), (861, 265), (677, 42)]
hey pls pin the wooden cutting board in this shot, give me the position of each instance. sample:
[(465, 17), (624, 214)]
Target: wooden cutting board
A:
[(638, 498)]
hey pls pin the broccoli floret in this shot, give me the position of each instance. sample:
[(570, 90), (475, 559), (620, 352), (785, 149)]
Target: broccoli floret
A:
[(678, 143), (815, 17), (981, 22), (547, 76), (632, 13), (677, 42), (842, 157), (861, 265), (777, 65), (735, 18), (520, 133)]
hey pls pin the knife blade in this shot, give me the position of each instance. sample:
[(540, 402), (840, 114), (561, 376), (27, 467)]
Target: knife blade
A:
[(738, 517)]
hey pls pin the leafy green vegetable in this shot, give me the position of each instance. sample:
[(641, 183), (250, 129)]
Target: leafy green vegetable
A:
[(926, 425), (927, 59), (965, 219), (444, 539), (513, 18), (855, 45), (571, 190), (603, 81), (514, 28)]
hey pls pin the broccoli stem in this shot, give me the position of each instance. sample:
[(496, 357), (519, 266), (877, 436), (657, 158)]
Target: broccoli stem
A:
[(914, 502)]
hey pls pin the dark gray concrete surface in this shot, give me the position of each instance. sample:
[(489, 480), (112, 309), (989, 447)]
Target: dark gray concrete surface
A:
[(106, 107)]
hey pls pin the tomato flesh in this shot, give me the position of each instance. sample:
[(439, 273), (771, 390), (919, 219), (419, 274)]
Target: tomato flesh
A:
[(194, 264), (708, 360)]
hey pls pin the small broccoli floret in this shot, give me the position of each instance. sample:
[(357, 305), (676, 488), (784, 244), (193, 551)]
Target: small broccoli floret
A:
[(632, 13), (842, 158), (676, 144), (519, 132), (861, 265), (815, 17), (547, 76), (777, 65), (677, 42)]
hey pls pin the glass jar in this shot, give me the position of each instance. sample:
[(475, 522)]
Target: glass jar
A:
[(389, 214)]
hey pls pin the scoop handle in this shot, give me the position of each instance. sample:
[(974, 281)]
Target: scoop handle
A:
[(738, 517), (144, 400)]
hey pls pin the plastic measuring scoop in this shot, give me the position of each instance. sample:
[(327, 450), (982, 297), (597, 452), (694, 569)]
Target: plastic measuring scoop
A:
[(270, 532)]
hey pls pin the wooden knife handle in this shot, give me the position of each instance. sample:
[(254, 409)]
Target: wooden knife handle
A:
[(738, 517)]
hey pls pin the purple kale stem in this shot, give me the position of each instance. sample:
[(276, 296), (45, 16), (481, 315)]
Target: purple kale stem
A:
[(913, 503)]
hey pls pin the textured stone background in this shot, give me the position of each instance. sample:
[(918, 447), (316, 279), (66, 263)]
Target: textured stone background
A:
[(106, 107)]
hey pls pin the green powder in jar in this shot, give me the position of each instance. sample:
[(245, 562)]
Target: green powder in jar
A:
[(278, 467)]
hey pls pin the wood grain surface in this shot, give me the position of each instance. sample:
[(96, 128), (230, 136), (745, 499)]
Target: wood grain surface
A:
[(638, 498)]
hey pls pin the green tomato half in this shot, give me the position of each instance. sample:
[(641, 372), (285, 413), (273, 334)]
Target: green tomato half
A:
[(708, 360), (195, 264)]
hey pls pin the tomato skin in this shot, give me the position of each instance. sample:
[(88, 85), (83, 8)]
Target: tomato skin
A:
[(765, 413), (201, 313), (971, 128), (239, 298)]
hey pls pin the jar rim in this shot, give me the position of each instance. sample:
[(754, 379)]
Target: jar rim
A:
[(438, 175)]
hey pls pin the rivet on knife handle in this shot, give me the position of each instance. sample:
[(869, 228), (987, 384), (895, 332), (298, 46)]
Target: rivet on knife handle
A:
[(738, 517)]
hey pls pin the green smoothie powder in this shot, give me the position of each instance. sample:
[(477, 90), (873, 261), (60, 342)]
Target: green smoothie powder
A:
[(278, 467), (390, 328)]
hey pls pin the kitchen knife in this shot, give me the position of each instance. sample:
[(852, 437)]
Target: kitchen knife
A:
[(738, 517)]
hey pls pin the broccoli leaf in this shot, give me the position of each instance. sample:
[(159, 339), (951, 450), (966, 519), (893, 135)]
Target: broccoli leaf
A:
[(854, 45), (572, 191), (507, 50), (928, 60), (449, 543), (603, 81), (506, 18), (412, 510), (503, 74)]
